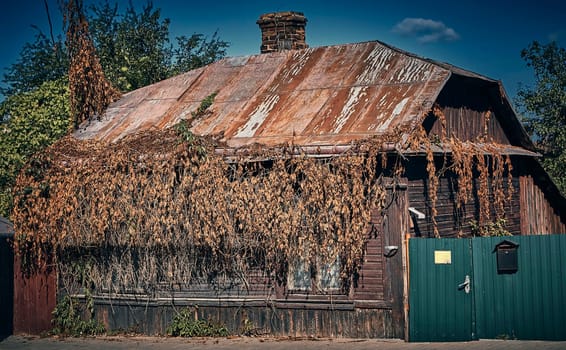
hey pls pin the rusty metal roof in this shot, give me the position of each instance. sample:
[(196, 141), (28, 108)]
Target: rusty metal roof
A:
[(317, 96)]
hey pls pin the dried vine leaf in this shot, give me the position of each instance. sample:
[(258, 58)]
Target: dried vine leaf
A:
[(162, 208), (90, 91)]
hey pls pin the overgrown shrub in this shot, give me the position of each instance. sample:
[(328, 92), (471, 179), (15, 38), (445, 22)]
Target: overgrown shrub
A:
[(68, 320), (187, 324)]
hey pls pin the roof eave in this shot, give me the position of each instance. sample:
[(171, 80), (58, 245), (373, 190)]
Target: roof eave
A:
[(328, 151)]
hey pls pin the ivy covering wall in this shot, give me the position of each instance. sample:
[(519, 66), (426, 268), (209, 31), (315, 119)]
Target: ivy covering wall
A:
[(163, 209)]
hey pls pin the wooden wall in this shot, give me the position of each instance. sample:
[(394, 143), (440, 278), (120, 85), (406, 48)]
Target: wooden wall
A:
[(372, 308), (394, 230), (275, 318), (451, 220), (34, 299), (543, 209), (256, 284), (536, 206), (369, 283), (470, 111), (466, 124)]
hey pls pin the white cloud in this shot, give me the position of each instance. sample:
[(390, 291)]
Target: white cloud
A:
[(425, 30)]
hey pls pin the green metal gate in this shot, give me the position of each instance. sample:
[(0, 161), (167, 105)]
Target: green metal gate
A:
[(440, 299), (526, 303)]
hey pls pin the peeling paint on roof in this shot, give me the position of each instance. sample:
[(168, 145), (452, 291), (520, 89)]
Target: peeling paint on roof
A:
[(356, 93), (317, 96), (258, 117)]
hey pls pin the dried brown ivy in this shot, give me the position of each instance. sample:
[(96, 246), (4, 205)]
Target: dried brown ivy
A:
[(150, 210), (90, 92)]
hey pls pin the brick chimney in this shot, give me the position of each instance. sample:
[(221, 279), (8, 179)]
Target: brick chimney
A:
[(282, 31)]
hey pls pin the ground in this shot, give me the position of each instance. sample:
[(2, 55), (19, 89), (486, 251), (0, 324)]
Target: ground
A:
[(162, 343)]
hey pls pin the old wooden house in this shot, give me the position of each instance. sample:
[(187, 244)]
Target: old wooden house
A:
[(325, 102)]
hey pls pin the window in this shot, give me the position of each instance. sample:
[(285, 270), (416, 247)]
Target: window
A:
[(299, 275), (303, 276), (328, 276)]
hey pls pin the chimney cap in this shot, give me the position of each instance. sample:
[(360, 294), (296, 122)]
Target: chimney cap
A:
[(291, 16)]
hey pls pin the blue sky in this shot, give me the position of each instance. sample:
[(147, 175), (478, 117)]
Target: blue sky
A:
[(482, 36)]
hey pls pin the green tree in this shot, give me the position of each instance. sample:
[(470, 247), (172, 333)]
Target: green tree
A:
[(134, 48), (196, 51), (40, 61), (544, 106), (31, 121)]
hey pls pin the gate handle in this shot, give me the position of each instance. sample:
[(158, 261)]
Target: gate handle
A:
[(465, 285)]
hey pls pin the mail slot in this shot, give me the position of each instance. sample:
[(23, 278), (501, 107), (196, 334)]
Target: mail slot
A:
[(507, 257)]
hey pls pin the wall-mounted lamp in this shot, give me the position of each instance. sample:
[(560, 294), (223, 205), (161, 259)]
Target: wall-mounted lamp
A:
[(417, 214), (390, 250)]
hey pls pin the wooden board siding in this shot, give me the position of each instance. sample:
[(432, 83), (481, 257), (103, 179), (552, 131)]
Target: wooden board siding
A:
[(373, 308), (368, 285), (452, 222), (396, 214), (542, 206), (466, 124), (465, 103), (268, 318), (34, 299), (537, 215), (256, 284)]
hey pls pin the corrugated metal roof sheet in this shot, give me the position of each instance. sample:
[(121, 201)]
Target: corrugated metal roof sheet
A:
[(318, 96)]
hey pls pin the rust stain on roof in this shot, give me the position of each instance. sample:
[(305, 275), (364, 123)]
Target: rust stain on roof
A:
[(317, 96)]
